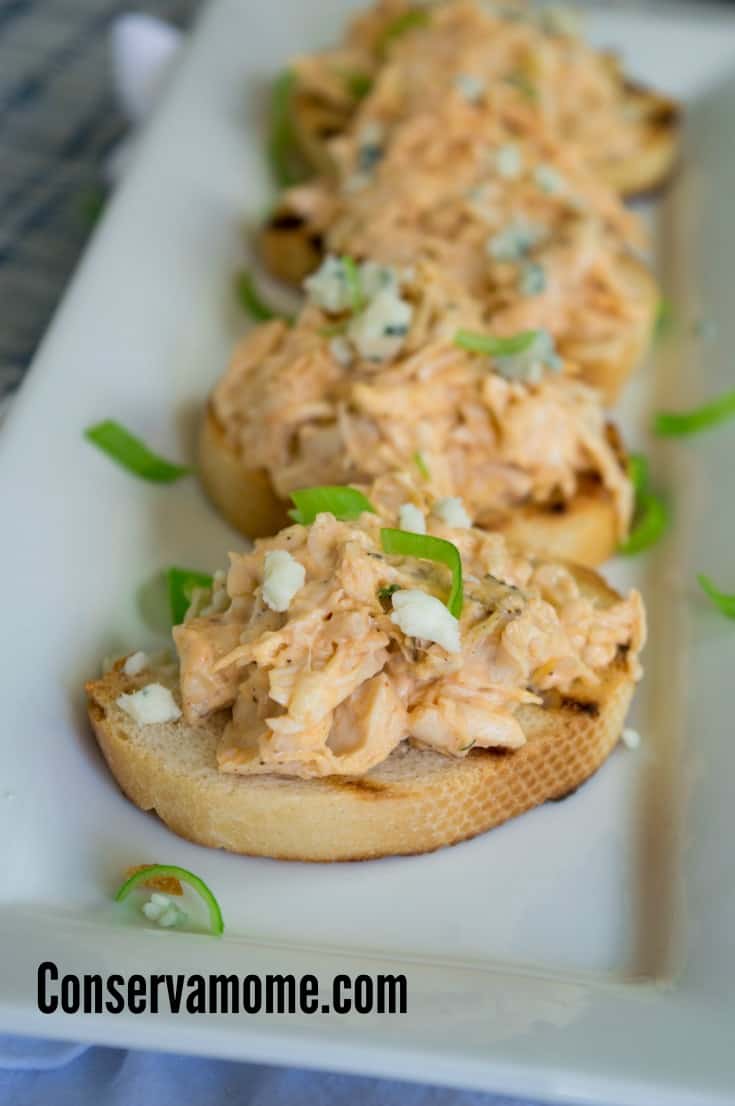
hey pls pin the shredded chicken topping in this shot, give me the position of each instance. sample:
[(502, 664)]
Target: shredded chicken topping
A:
[(333, 685), (291, 406)]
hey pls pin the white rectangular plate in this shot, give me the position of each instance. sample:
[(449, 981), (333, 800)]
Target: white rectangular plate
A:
[(580, 953)]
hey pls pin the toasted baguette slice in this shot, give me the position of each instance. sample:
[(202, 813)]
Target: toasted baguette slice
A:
[(415, 802), (583, 530)]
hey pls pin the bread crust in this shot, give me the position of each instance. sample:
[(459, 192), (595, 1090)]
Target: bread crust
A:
[(583, 530), (415, 802)]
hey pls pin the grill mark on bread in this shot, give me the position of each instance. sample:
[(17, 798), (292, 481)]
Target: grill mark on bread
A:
[(580, 706)]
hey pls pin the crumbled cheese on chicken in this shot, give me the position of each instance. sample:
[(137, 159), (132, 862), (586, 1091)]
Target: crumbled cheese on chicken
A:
[(549, 179), (329, 287), (532, 279), (283, 576), (379, 331), (135, 664), (470, 86), (421, 615), (508, 162), (370, 146), (411, 518), (515, 241), (152, 704), (163, 910), (451, 510), (341, 351)]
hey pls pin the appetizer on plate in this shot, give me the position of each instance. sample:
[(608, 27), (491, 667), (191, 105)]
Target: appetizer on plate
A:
[(350, 690), (389, 374), (579, 95)]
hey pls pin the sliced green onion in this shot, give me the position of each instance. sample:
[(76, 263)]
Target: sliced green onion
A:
[(342, 502), (652, 517), (249, 298), (132, 454), (493, 345), (354, 283), (428, 548), (358, 84), (282, 142), (523, 84), (664, 318), (638, 471), (384, 594), (181, 584), (151, 871), (406, 21), (421, 465), (724, 602), (678, 423)]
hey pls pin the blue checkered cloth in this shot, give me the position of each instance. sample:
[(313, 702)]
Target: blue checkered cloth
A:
[(58, 121)]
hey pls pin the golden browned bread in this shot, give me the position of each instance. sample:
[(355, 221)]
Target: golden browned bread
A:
[(583, 530), (414, 802)]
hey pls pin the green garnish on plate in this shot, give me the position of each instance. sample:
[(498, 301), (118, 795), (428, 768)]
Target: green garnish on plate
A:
[(181, 584), (724, 602), (132, 454), (251, 301), (651, 517), (674, 424), (153, 871), (283, 155)]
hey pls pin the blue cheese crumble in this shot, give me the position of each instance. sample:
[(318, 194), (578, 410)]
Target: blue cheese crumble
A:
[(532, 279), (549, 179), (470, 86), (411, 518), (163, 911), (514, 241), (378, 329), (529, 365), (508, 162)]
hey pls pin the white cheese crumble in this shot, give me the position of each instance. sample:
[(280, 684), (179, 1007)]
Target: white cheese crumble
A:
[(283, 576), (370, 146), (152, 704), (163, 910), (420, 615), (508, 162), (135, 664), (630, 738), (329, 287), (530, 364), (341, 351), (515, 241), (379, 331), (532, 279), (470, 86), (451, 510), (411, 518), (548, 179)]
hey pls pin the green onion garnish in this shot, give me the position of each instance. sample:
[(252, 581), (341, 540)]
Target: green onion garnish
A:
[(421, 465), (354, 283), (358, 84), (428, 548), (181, 584), (338, 500), (132, 454), (679, 423), (151, 871), (664, 318), (523, 84), (249, 298), (493, 345), (384, 594), (724, 602), (651, 513), (282, 142), (406, 21)]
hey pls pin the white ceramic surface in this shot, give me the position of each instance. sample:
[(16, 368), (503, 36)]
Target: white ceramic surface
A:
[(582, 953)]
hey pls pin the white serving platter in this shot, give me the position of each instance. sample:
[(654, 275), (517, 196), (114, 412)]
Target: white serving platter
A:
[(582, 953)]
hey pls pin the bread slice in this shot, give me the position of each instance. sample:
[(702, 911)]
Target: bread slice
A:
[(414, 802), (659, 123), (583, 530)]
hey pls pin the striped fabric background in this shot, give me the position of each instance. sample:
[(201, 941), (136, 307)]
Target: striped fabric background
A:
[(58, 121)]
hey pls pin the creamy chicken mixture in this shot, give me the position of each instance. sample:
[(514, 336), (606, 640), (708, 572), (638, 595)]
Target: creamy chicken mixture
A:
[(325, 402), (444, 159), (366, 656)]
